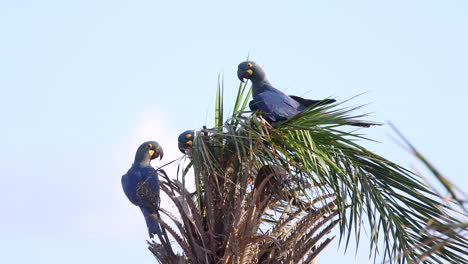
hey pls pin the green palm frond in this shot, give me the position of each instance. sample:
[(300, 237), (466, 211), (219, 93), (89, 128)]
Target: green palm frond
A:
[(242, 98), (219, 103), (439, 235), (271, 194), (455, 192)]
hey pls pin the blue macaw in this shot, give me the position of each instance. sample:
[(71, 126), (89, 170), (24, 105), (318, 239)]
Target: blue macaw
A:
[(274, 105), (185, 141), (141, 183)]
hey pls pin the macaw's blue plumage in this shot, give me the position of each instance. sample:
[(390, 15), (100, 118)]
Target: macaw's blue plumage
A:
[(274, 105), (141, 183), (185, 141)]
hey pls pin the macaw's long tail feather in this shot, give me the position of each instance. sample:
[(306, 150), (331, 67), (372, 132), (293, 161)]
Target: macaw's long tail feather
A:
[(153, 225), (364, 124), (308, 102)]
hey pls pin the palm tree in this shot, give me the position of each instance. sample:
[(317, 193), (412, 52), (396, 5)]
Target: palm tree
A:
[(272, 195)]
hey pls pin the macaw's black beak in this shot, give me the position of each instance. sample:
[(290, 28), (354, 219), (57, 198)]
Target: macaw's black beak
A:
[(158, 153), (241, 74), (182, 147)]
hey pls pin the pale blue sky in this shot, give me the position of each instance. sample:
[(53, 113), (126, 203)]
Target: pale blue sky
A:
[(83, 83)]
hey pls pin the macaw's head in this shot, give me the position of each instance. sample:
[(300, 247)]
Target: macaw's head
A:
[(148, 151), (186, 141), (250, 70)]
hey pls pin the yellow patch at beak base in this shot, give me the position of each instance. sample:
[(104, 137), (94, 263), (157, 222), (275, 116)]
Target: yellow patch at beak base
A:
[(189, 142), (249, 71), (151, 152)]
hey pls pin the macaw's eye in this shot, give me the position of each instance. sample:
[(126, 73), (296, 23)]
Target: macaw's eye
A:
[(249, 64), (149, 146), (188, 135)]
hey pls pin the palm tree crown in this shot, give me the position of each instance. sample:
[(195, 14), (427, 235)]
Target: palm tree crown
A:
[(272, 194)]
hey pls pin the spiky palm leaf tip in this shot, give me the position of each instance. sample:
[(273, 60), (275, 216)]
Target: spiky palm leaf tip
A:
[(314, 176)]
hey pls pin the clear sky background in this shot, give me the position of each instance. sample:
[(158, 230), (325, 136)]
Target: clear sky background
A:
[(84, 83)]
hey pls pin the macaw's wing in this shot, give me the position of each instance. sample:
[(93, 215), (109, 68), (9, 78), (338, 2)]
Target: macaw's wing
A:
[(148, 189), (308, 102), (130, 183), (276, 106), (253, 106), (141, 186)]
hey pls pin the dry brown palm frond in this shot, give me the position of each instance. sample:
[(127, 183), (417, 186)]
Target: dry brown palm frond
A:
[(246, 211)]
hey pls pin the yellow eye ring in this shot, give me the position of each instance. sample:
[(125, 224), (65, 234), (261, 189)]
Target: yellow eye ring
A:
[(249, 64), (149, 146)]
